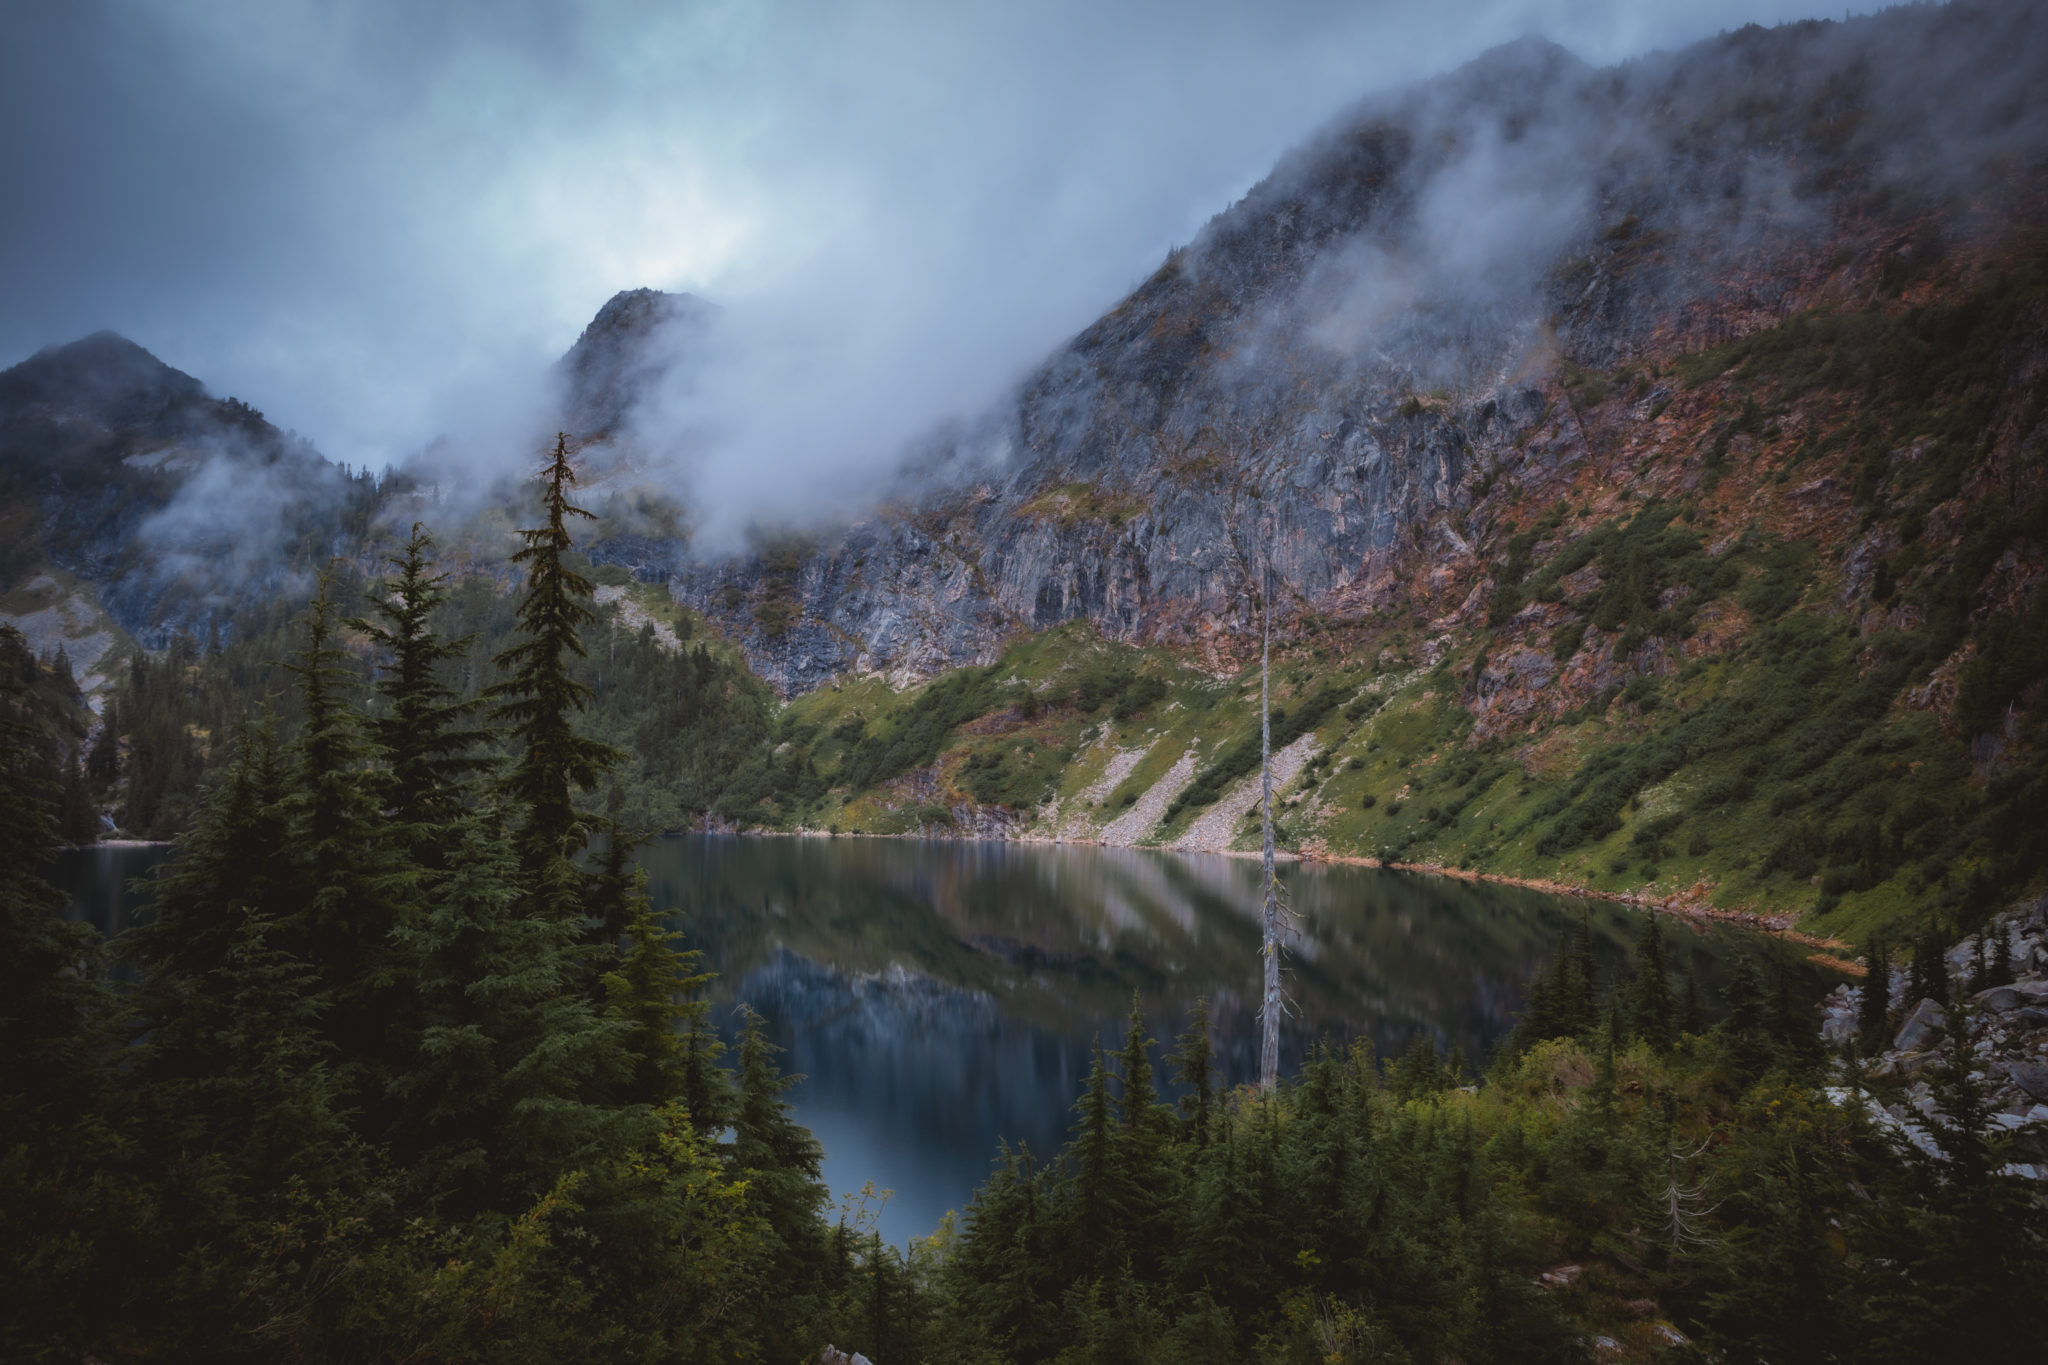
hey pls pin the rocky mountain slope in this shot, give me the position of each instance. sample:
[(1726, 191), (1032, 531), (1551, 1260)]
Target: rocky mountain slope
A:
[(1647, 462), (137, 505), (1684, 541), (1346, 364)]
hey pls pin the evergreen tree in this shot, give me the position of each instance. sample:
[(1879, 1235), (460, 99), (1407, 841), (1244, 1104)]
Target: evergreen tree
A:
[(78, 821), (424, 734), (1193, 1067), (1141, 1149), (1692, 1015), (610, 899), (1582, 993), (779, 1160), (1101, 1209), (356, 885), (2001, 955), (707, 1085), (105, 763), (1142, 1114), (1873, 1011), (231, 867), (1649, 1002), (541, 696), (1001, 1274), (1792, 1028), (1744, 1032), (57, 1058), (642, 993), (1564, 1002), (514, 1068), (1539, 1013), (1927, 979), (1420, 1073), (239, 1084)]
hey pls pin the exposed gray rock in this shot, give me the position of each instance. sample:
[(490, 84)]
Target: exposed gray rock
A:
[(639, 338), (1921, 1028), (2031, 1077), (1308, 373), (1999, 999)]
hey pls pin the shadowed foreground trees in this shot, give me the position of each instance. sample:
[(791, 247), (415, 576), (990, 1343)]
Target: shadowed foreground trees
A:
[(384, 1094), (388, 1087)]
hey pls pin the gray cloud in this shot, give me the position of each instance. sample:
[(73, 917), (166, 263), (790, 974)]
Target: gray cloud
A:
[(381, 221)]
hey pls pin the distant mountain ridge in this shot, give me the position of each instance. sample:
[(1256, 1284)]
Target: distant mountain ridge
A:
[(103, 378), (141, 505)]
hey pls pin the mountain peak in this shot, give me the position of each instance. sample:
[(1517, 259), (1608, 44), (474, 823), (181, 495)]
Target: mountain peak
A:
[(104, 376), (613, 359)]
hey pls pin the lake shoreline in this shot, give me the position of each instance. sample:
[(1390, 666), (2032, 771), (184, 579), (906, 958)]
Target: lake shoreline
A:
[(1690, 904)]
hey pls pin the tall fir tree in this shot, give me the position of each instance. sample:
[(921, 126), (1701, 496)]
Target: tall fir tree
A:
[(1649, 1004), (514, 1070), (1692, 1014), (654, 991), (55, 1017), (231, 866), (1581, 1003), (425, 735), (104, 764), (78, 819), (779, 1160), (357, 885), (1099, 1201), (1193, 1061), (1873, 1010), (541, 697)]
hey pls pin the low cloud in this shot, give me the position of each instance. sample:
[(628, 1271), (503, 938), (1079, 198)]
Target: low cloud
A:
[(381, 222)]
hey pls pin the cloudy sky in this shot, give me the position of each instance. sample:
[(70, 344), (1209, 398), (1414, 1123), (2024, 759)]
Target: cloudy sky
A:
[(378, 219)]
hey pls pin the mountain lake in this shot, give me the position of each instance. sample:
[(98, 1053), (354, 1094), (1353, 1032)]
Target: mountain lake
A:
[(942, 997)]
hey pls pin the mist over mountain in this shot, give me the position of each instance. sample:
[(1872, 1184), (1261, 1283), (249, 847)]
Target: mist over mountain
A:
[(1380, 322), (139, 503), (641, 340)]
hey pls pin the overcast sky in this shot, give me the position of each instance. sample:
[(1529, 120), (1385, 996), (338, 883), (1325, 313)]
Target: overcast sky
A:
[(378, 220)]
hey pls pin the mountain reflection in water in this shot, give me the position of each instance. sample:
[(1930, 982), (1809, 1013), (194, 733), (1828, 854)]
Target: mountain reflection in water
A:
[(943, 997)]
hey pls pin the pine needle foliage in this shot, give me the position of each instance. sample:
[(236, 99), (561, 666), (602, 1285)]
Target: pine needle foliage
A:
[(539, 699), (425, 731)]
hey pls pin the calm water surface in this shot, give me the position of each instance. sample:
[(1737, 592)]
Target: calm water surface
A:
[(943, 997)]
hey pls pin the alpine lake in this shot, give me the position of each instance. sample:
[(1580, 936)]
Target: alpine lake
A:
[(943, 997)]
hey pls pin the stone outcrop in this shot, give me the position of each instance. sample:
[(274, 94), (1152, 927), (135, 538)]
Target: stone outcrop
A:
[(2004, 1027)]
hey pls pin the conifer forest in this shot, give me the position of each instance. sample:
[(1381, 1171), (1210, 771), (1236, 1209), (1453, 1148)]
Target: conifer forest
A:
[(1165, 684)]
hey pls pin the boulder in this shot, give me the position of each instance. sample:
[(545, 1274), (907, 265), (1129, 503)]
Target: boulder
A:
[(2031, 1077), (2030, 1018), (1921, 1027), (2000, 999)]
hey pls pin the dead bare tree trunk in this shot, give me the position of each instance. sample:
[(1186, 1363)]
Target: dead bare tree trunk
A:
[(1269, 908)]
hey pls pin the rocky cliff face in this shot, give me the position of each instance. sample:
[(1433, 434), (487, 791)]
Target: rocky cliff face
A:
[(1337, 369), (639, 338)]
